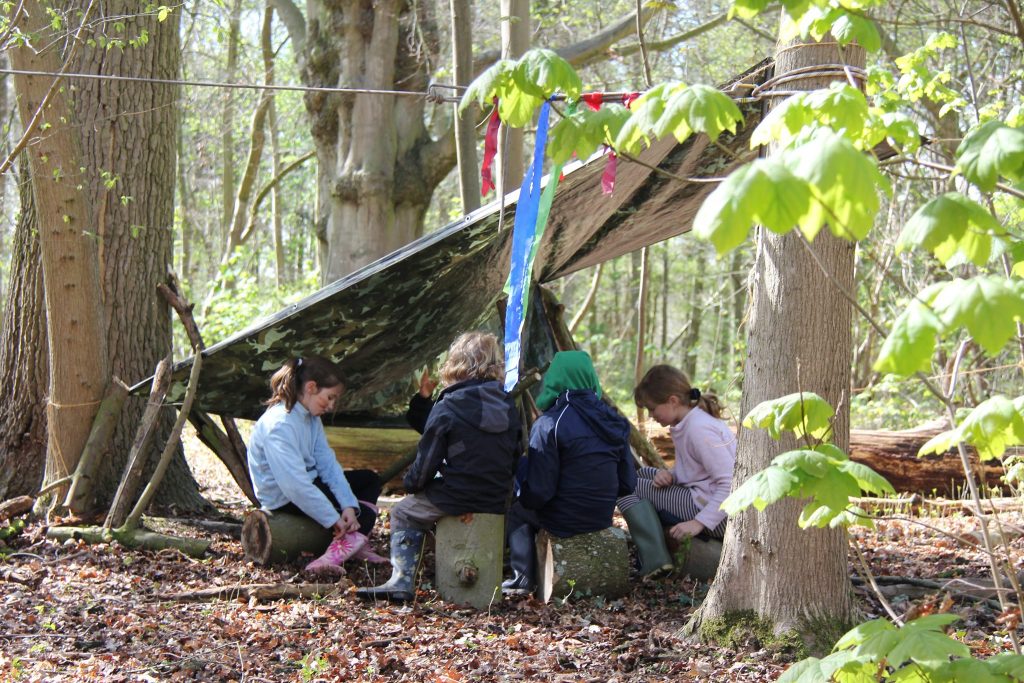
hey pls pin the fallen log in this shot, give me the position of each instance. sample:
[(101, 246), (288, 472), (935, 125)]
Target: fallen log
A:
[(893, 454), (132, 538), (262, 592), (277, 537), (16, 506)]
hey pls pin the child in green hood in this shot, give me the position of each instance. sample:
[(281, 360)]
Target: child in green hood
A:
[(579, 462)]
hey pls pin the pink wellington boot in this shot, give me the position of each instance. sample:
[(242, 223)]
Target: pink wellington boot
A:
[(337, 552), (366, 552)]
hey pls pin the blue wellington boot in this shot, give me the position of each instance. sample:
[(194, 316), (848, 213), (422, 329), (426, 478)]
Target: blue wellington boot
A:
[(406, 546)]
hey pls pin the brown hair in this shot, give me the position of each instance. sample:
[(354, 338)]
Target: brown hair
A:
[(286, 384), (662, 381), (474, 355)]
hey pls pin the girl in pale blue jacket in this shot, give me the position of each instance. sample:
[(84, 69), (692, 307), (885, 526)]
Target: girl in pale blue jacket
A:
[(294, 470)]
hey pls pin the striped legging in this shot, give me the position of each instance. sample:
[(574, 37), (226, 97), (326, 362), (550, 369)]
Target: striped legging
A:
[(674, 503)]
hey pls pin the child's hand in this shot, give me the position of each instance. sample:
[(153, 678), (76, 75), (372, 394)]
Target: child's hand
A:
[(427, 384), (347, 524), (663, 478), (686, 529)]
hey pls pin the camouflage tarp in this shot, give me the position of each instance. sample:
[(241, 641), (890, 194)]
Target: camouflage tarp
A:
[(390, 318)]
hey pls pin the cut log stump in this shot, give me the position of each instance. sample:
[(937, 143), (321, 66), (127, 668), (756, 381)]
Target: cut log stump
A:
[(596, 563), (697, 559), (269, 537), (469, 558)]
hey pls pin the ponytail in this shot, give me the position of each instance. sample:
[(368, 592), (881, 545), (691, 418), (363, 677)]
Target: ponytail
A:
[(286, 384)]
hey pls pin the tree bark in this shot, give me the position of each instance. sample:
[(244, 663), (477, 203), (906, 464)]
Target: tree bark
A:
[(129, 138), (68, 237), (379, 164), (24, 371), (515, 40), (228, 120), (799, 340), (267, 51), (691, 340), (465, 133)]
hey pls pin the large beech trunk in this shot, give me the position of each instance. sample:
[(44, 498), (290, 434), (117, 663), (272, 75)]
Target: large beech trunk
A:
[(378, 162), (78, 365), (129, 131), (796, 579)]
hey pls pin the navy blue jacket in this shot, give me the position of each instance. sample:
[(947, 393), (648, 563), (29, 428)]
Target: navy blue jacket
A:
[(579, 464), (470, 438)]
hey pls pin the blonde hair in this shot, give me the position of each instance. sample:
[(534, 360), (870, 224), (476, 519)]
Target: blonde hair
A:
[(474, 355), (663, 381), (286, 384)]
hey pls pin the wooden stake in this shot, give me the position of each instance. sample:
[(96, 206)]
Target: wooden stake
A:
[(137, 457), (169, 448), (78, 499)]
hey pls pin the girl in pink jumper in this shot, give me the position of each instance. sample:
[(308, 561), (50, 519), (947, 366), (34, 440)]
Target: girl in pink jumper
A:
[(688, 496)]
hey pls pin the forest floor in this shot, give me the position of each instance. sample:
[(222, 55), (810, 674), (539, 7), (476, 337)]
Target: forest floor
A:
[(75, 612)]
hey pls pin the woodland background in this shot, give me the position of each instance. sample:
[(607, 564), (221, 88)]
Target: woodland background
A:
[(255, 198)]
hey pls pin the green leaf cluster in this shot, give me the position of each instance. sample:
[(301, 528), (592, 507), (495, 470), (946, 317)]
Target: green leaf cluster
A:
[(955, 228), (988, 307), (680, 110), (582, 131), (991, 427), (803, 413), (920, 650), (824, 474), (823, 180), (522, 86), (990, 151)]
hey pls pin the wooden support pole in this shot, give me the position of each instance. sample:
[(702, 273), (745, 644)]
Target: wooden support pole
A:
[(132, 476), (79, 497), (220, 443), (233, 453), (169, 448)]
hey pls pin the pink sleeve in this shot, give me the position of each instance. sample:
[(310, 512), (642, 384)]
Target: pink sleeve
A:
[(715, 450)]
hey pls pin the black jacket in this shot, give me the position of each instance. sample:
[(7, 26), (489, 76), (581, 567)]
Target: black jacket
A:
[(470, 437), (579, 464)]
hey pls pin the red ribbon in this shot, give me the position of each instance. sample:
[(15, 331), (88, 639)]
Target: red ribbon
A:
[(628, 98), (593, 99), (608, 177), (490, 149)]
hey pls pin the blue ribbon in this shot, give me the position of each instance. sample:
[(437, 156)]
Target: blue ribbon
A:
[(525, 234)]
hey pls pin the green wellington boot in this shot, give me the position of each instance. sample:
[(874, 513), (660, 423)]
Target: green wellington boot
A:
[(406, 546), (645, 528)]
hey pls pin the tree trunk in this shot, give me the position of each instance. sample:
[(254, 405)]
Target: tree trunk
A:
[(227, 131), (799, 340), (465, 133), (379, 164), (515, 40), (24, 374), (691, 340), (267, 51), (130, 132), (68, 238)]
